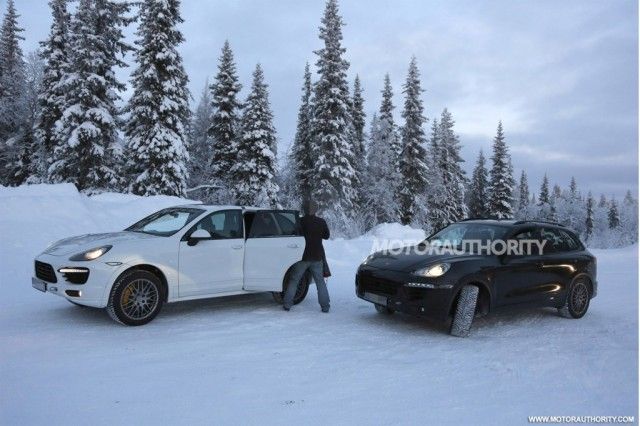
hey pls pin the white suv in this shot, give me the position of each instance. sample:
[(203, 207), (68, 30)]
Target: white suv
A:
[(179, 253)]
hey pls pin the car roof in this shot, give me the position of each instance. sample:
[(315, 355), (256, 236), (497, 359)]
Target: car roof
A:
[(216, 207), (517, 223), (502, 222)]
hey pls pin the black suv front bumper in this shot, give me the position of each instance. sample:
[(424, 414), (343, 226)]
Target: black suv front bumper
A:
[(389, 288)]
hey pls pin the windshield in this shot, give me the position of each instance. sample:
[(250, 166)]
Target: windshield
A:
[(457, 234), (166, 222)]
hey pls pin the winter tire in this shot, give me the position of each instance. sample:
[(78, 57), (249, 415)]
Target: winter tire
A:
[(465, 311), (384, 310), (136, 298), (578, 299), (301, 293)]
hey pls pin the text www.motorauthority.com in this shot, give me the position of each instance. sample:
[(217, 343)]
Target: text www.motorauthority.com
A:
[(581, 419)]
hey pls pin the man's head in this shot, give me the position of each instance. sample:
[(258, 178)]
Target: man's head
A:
[(310, 207)]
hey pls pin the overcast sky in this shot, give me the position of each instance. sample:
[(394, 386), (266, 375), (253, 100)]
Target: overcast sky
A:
[(561, 75)]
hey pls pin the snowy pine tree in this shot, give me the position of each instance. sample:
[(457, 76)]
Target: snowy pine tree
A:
[(335, 175), (380, 176), (628, 198), (358, 117), (12, 100), (501, 183), (254, 169), (25, 167), (570, 209), (388, 128), (589, 220), (159, 108), (301, 159), (629, 219), (524, 204), (436, 192), (199, 146), (573, 188), (87, 152), (478, 189), (553, 203), (452, 175), (55, 53), (413, 166), (225, 121), (523, 197), (544, 197), (603, 201), (613, 215)]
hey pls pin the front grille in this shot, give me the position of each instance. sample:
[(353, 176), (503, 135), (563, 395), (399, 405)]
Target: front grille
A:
[(378, 285), (45, 272), (413, 293)]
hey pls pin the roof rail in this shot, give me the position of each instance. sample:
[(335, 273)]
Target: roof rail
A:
[(483, 218), (520, 222)]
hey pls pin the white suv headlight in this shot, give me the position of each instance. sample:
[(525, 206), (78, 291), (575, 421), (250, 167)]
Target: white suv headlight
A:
[(90, 254), (433, 271)]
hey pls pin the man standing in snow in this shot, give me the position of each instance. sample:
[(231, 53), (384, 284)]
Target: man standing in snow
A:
[(314, 230)]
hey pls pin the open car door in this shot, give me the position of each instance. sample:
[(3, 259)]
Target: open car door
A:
[(273, 244)]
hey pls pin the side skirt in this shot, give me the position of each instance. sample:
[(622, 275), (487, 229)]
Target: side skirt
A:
[(215, 295)]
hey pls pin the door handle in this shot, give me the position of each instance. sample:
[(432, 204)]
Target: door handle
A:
[(292, 245), (237, 247)]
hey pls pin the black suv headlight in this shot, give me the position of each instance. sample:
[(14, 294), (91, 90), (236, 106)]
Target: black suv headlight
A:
[(92, 254), (433, 271)]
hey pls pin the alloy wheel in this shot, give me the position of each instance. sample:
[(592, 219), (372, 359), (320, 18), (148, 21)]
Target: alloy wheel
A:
[(579, 298), (139, 299)]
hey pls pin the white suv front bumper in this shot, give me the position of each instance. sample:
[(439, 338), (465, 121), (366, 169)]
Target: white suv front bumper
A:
[(94, 292)]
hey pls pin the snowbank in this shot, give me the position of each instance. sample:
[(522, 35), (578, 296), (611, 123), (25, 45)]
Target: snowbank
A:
[(396, 231), (55, 211), (33, 216)]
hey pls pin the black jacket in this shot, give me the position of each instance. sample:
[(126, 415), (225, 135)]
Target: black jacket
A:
[(314, 230)]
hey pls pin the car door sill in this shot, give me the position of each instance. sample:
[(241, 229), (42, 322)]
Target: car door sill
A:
[(215, 295)]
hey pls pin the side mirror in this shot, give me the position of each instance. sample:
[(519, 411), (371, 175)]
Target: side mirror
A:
[(197, 235)]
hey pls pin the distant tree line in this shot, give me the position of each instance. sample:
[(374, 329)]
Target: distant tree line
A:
[(59, 122)]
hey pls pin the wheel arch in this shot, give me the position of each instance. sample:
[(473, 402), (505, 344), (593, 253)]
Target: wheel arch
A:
[(584, 275), (483, 306), (285, 277), (578, 276), (279, 296), (149, 268)]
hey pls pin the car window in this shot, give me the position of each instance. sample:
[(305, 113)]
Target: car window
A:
[(455, 234), (569, 243), (528, 235), (264, 225), (222, 225), (554, 242), (288, 222), (166, 222)]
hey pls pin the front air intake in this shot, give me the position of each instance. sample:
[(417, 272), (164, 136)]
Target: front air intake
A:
[(45, 272)]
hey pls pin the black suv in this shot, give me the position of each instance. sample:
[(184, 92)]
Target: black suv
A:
[(474, 266)]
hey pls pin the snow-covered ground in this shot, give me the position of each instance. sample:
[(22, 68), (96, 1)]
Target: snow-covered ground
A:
[(242, 360)]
